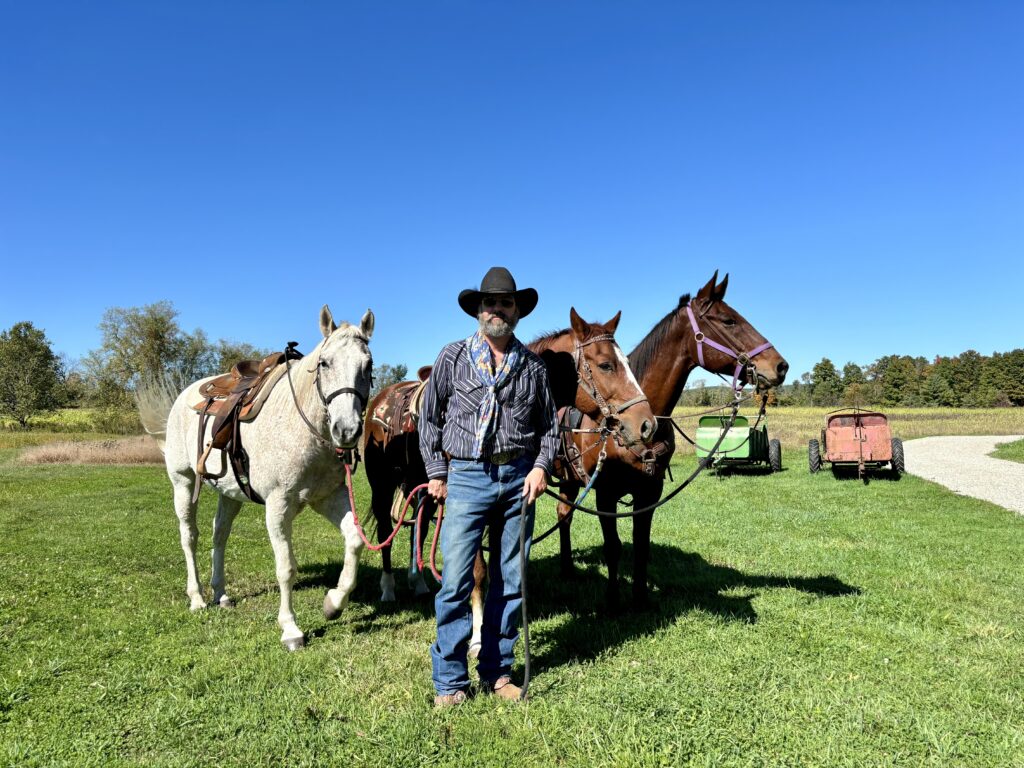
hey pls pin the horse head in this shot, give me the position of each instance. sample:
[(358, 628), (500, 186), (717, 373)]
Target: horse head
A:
[(607, 389), (727, 343), (343, 370)]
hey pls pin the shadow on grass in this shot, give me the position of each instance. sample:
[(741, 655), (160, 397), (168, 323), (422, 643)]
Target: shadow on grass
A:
[(847, 472), (685, 582), (690, 584)]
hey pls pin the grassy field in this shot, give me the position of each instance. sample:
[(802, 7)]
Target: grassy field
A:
[(795, 426), (1010, 451), (803, 620)]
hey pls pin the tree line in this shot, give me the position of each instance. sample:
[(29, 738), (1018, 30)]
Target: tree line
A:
[(137, 343), (968, 380)]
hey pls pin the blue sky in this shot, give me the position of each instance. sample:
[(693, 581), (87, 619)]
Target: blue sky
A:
[(839, 160)]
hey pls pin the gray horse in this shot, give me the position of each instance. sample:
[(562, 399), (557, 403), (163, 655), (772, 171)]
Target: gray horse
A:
[(289, 466)]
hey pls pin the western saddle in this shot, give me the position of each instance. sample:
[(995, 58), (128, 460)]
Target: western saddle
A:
[(232, 398)]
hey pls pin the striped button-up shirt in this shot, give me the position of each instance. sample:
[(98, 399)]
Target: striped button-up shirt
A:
[(527, 420)]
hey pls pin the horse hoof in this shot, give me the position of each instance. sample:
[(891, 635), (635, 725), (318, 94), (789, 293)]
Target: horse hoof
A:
[(331, 612), (474, 650), (386, 598), (197, 605), (294, 643), (225, 602)]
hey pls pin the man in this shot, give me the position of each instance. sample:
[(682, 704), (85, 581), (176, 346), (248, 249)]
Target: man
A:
[(488, 436)]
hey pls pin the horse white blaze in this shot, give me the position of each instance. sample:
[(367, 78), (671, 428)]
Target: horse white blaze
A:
[(624, 362)]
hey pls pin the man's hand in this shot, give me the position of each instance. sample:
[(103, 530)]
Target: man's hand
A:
[(438, 489), (535, 484)]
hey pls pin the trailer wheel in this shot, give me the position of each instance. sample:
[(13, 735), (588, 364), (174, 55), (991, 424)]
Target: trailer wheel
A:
[(898, 466), (775, 455), (813, 456)]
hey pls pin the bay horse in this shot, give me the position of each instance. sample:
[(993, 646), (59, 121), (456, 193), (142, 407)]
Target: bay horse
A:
[(704, 331), (291, 463), (586, 369)]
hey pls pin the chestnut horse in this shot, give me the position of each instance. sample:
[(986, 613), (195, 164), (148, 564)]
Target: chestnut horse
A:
[(586, 369), (662, 362)]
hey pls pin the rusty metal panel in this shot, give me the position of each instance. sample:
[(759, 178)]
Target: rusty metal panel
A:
[(853, 436)]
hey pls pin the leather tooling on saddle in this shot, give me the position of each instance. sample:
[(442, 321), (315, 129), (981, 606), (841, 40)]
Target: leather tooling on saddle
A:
[(232, 398), (400, 412)]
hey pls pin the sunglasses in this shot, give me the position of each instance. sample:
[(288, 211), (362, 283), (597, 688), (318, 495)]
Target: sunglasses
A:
[(505, 303)]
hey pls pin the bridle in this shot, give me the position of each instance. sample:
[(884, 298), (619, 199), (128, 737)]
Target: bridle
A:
[(585, 379), (743, 359), (345, 454)]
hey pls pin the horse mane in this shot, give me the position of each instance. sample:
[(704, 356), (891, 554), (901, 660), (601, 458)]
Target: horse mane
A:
[(546, 340), (646, 352)]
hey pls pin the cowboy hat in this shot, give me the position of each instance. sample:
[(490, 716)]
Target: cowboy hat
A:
[(498, 281)]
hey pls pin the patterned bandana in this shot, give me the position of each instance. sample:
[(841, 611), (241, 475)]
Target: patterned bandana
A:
[(483, 361)]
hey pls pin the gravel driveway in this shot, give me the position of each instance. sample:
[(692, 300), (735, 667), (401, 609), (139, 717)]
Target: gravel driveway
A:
[(962, 465)]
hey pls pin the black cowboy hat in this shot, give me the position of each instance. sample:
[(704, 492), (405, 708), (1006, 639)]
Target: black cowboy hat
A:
[(498, 281)]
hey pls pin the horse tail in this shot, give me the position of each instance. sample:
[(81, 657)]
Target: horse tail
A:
[(154, 398)]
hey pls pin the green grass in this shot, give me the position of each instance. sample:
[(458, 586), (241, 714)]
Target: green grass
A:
[(804, 620), (1010, 451)]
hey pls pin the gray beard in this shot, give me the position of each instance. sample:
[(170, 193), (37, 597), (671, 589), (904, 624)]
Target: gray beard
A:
[(499, 329)]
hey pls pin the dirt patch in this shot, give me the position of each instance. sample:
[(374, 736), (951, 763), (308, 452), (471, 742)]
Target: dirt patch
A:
[(130, 450)]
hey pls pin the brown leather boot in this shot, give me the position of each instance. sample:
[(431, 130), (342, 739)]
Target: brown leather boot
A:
[(504, 688), (446, 700)]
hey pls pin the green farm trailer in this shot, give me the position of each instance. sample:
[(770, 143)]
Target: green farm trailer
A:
[(742, 445)]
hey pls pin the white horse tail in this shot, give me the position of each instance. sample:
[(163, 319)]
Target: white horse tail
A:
[(154, 397)]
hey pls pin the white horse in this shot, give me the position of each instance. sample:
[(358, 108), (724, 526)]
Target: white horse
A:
[(289, 466)]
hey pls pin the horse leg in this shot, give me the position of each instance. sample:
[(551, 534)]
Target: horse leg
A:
[(419, 537), (476, 602), (641, 551), (185, 509), (612, 548), (280, 514), (336, 509), (565, 512), (382, 504), (227, 509)]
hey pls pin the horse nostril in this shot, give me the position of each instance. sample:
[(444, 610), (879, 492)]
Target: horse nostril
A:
[(782, 368), (646, 429)]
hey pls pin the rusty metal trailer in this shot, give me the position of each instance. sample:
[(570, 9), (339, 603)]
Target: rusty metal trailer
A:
[(855, 437)]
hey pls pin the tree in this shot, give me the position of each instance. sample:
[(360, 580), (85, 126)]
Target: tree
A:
[(385, 375), (936, 391), (230, 352), (826, 386), (145, 342), (30, 373)]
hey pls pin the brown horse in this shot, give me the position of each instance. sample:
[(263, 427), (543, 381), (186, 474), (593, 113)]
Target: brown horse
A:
[(662, 362), (586, 369)]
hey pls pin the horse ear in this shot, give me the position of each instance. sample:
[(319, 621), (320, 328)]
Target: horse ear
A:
[(327, 324), (580, 327), (707, 291), (367, 323), (612, 324), (720, 289)]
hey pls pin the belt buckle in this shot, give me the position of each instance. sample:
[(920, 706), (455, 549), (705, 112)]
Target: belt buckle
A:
[(502, 457)]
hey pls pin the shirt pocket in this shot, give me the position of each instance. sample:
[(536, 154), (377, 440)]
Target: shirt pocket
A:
[(520, 405), (468, 396)]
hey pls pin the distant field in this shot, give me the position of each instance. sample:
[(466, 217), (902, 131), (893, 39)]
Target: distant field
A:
[(119, 422), (1010, 451), (795, 426)]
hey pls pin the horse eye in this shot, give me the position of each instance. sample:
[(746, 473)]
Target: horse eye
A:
[(324, 364), (729, 321), (606, 367)]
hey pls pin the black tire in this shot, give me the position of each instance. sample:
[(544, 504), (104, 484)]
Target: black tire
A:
[(775, 455), (898, 465), (813, 456)]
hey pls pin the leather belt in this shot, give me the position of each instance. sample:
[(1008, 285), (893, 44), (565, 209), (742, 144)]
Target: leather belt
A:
[(501, 457)]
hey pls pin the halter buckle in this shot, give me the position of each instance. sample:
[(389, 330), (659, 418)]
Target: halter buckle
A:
[(742, 359), (699, 337)]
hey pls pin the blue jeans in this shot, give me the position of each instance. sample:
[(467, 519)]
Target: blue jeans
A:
[(479, 494)]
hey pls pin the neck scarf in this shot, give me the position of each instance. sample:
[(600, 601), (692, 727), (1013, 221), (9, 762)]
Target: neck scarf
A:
[(483, 364)]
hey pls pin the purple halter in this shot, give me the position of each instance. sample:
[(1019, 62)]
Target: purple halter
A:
[(742, 358)]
